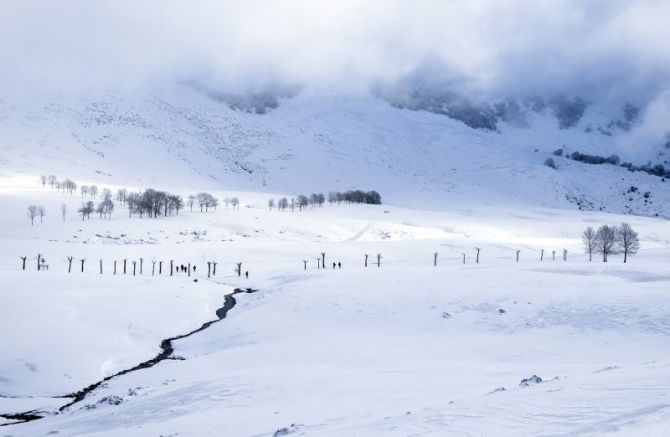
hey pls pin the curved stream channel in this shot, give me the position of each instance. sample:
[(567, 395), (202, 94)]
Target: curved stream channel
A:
[(167, 350)]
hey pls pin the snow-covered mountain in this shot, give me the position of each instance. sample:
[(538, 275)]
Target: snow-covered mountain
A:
[(434, 150)]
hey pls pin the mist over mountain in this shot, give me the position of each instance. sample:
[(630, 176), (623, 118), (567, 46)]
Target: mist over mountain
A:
[(589, 78)]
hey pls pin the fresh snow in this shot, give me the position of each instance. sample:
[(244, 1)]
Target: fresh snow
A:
[(406, 348), (351, 351)]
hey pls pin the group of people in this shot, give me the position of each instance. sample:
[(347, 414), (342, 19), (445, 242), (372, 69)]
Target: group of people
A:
[(338, 265), (184, 269)]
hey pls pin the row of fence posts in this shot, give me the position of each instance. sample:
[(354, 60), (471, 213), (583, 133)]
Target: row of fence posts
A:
[(321, 260), (188, 268), (211, 265)]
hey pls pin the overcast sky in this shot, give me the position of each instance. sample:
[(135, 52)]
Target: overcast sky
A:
[(608, 48)]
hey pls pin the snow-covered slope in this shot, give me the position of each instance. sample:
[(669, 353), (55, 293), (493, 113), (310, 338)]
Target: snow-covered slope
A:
[(180, 137)]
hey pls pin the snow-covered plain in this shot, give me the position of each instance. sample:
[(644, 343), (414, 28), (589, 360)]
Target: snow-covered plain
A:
[(406, 348)]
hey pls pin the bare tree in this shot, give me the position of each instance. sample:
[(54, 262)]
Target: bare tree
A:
[(239, 269), (517, 255), (282, 204), (366, 259), (235, 202), (628, 241), (477, 259), (83, 260), (52, 180), (292, 203), (121, 195), (63, 211), (191, 201), (93, 191), (463, 258), (379, 260), (42, 212), (606, 241), (541, 254), (271, 204), (83, 190), (43, 180), (69, 264), (23, 259), (304, 262), (589, 241), (434, 255), (226, 202), (33, 211), (303, 201)]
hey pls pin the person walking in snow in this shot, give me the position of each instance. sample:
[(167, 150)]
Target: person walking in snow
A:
[(246, 274)]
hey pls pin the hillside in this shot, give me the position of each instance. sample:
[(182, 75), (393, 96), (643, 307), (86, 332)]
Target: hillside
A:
[(413, 152)]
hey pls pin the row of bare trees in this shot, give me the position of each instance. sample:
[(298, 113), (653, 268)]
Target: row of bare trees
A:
[(153, 203), (318, 199), (611, 240), (67, 185)]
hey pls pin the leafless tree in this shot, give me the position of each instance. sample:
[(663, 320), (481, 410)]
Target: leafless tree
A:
[(565, 254), (517, 255), (366, 259), (628, 241), (235, 202), (93, 191), (101, 267), (239, 269), (303, 261), (606, 241), (86, 210), (33, 211), (435, 259), (52, 180), (83, 190), (282, 204), (43, 180), (463, 258), (541, 254), (323, 259), (69, 264), (191, 201), (303, 201), (226, 202), (24, 258), (292, 203), (83, 260), (63, 211), (477, 258), (589, 241), (271, 204), (121, 195), (379, 260), (42, 212)]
